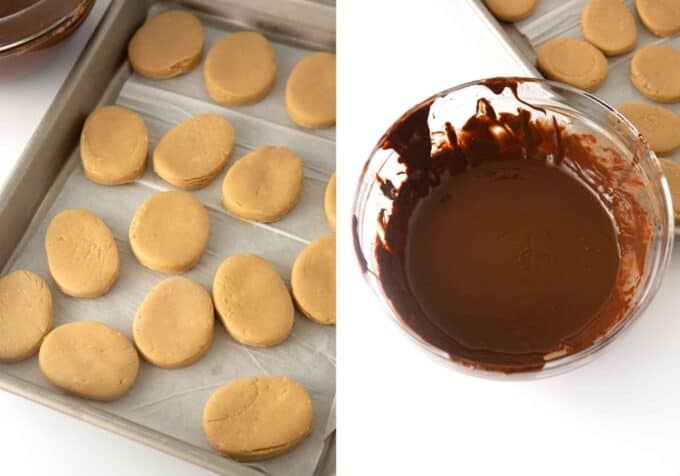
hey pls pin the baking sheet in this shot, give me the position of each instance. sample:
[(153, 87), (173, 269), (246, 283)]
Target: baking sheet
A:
[(171, 401), (554, 18)]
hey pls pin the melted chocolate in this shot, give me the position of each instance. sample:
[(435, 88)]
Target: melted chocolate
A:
[(509, 242)]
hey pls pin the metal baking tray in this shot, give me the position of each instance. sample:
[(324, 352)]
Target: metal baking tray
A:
[(48, 179), (564, 20)]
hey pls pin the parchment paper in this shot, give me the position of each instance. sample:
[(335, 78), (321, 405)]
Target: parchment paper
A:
[(554, 18), (171, 401)]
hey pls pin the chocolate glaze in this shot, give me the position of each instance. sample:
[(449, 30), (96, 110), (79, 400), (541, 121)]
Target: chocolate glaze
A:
[(511, 241)]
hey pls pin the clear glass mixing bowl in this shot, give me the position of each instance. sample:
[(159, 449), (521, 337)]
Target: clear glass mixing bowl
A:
[(579, 112), (29, 27)]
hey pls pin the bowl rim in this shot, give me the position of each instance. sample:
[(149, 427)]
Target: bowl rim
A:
[(38, 38)]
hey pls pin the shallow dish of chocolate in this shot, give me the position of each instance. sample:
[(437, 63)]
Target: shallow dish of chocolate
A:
[(513, 226)]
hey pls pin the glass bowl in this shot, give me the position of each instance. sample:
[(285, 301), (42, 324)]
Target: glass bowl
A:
[(30, 26), (578, 112)]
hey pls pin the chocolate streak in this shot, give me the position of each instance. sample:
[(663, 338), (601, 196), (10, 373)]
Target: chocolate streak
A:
[(512, 241)]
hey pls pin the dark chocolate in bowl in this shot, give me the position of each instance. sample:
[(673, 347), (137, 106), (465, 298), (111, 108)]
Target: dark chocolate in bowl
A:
[(509, 237)]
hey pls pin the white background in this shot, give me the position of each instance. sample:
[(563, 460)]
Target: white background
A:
[(400, 411)]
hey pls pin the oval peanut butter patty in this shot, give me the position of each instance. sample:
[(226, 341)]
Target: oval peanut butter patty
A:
[(655, 72), (313, 280), (167, 45), (253, 301), (113, 145), (169, 232), (571, 61), (310, 91), (256, 418), (661, 17), (193, 153), (511, 10), (25, 314), (240, 69), (329, 201), (658, 125), (89, 359), (174, 325), (609, 25), (264, 185), (81, 254)]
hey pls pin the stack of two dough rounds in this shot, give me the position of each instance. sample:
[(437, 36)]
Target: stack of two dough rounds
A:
[(313, 280), (310, 91), (169, 232), (240, 69), (192, 154), (264, 185), (252, 301), (174, 325), (114, 144), (256, 418), (167, 45)]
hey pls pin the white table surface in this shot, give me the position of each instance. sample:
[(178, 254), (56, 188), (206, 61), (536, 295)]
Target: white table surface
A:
[(35, 440), (401, 412)]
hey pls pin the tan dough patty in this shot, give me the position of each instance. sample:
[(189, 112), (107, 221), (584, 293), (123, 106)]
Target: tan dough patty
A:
[(655, 72), (571, 61), (240, 68), (609, 26), (329, 201), (193, 153), (310, 91), (113, 145), (511, 10), (174, 325), (89, 359), (81, 254), (169, 232), (658, 125), (313, 280), (661, 17), (256, 418), (264, 185), (167, 45), (25, 314), (253, 301)]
